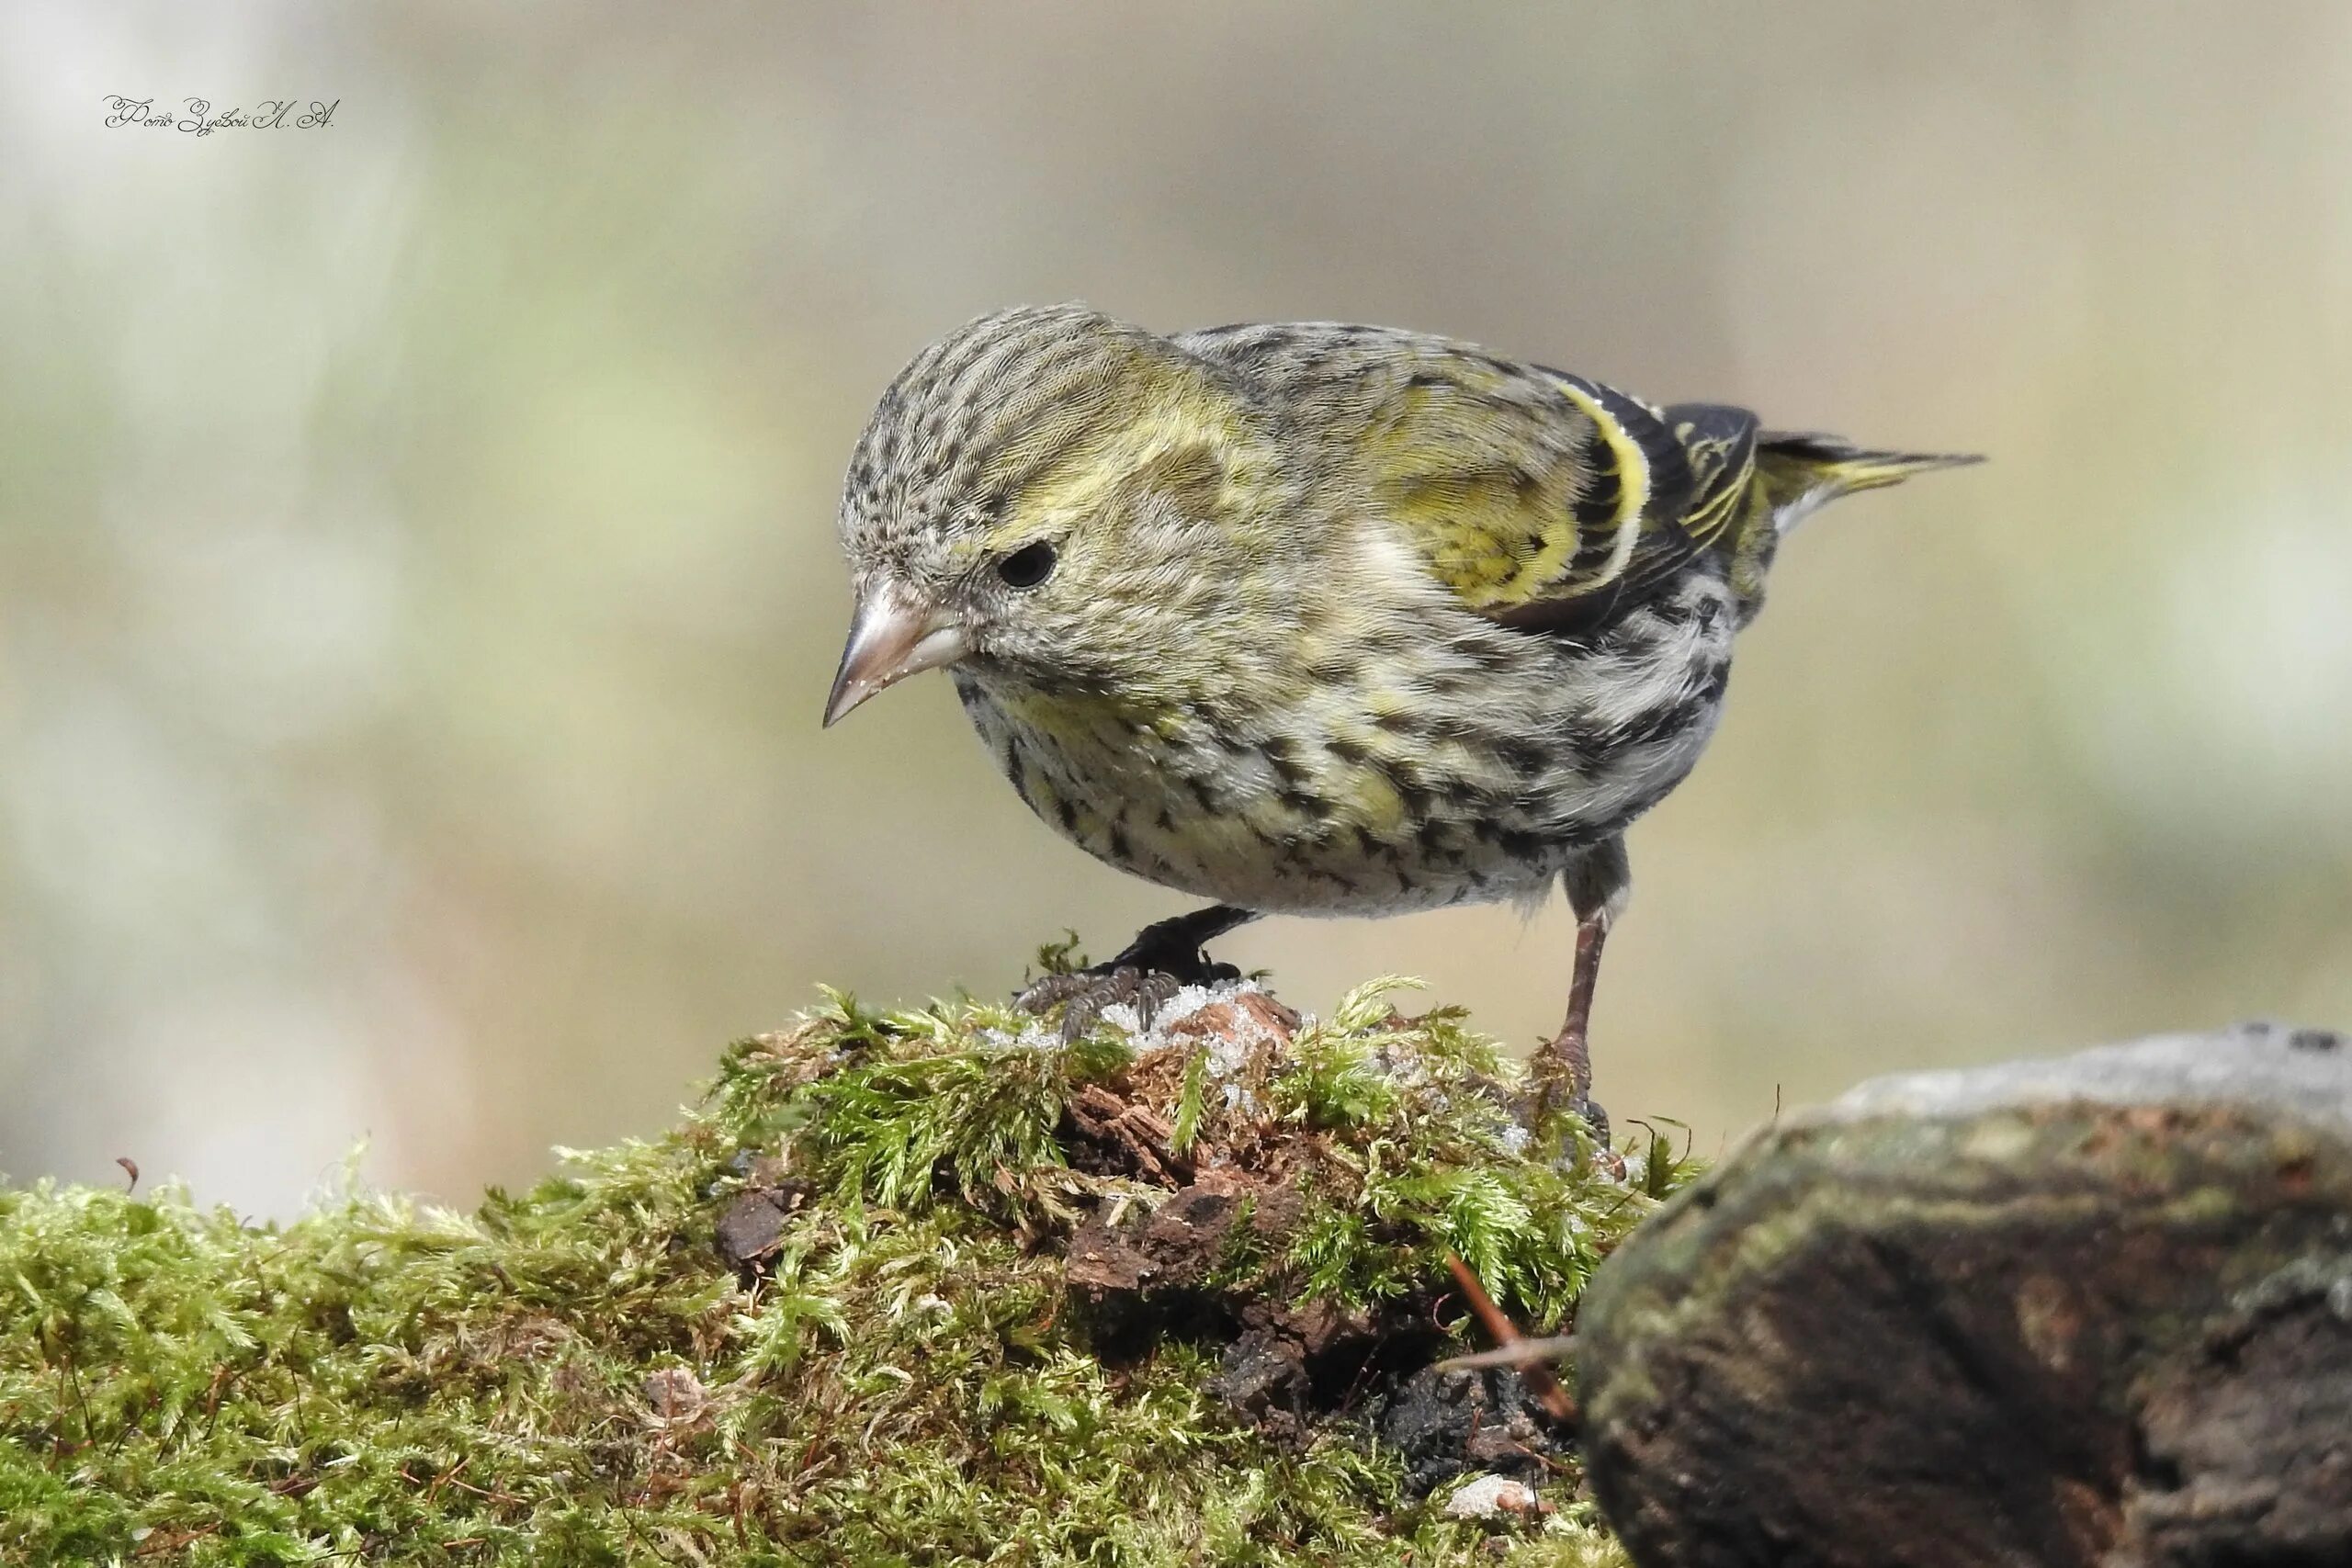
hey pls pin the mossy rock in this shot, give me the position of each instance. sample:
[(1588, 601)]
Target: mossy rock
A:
[(835, 1316), (2081, 1312)]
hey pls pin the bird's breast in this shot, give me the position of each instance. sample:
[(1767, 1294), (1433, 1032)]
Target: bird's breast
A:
[(1416, 776)]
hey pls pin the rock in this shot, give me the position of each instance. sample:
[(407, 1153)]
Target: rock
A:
[(1486, 1496), (2092, 1311)]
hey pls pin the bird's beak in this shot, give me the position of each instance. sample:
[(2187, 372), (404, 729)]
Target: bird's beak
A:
[(893, 635)]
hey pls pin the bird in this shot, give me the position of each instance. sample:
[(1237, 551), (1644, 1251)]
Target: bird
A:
[(1321, 619)]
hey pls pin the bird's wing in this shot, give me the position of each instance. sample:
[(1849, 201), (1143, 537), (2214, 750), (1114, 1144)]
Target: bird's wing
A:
[(1542, 499)]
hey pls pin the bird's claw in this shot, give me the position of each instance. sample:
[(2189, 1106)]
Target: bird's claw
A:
[(1085, 994), (1151, 970), (1605, 1157), (1551, 1094), (1574, 1147), (1594, 1119)]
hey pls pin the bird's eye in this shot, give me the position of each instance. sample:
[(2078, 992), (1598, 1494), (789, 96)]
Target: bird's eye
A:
[(1028, 565)]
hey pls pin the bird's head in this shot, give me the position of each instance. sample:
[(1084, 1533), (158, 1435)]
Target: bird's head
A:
[(1035, 501)]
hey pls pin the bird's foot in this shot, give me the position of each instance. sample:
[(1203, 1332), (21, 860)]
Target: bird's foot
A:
[(1596, 1120), (1593, 1146), (1562, 1081), (1540, 1108), (1084, 994), (1163, 959)]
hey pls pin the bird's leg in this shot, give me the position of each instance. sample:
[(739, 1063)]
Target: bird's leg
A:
[(1164, 957), (1597, 883), (1564, 1065)]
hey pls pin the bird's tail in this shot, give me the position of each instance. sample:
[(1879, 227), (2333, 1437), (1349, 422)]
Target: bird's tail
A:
[(1801, 473)]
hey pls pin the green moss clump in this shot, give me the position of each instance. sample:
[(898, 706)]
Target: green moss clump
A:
[(576, 1375)]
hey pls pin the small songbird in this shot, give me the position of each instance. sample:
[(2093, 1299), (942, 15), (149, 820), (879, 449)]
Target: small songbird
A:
[(1320, 619)]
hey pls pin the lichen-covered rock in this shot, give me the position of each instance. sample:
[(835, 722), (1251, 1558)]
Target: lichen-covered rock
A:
[(929, 1286), (2092, 1311)]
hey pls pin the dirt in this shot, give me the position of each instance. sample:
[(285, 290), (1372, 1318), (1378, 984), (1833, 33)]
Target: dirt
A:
[(1294, 1370)]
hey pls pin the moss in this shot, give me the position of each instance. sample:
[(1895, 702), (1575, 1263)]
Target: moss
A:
[(902, 1374)]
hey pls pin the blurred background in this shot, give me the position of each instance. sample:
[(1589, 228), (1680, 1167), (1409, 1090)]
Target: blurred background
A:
[(418, 586)]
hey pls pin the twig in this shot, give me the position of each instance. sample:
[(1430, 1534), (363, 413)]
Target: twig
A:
[(1521, 1352), (449, 1478), (1506, 1335), (1541, 1458)]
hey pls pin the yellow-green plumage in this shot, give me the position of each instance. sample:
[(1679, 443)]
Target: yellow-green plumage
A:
[(1324, 619)]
